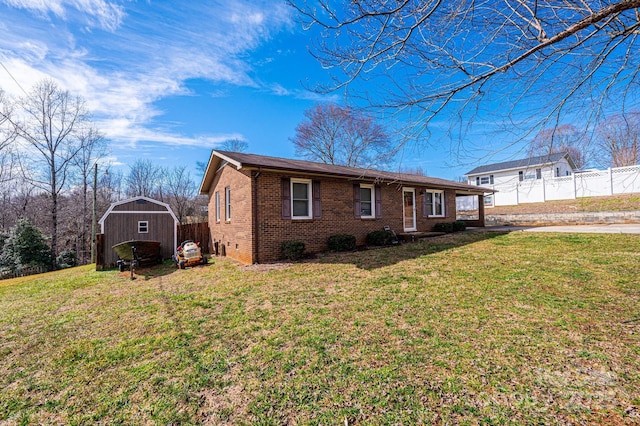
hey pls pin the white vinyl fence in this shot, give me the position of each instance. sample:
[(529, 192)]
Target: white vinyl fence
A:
[(619, 180)]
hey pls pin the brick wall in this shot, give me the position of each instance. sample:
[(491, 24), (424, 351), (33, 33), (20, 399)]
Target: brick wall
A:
[(233, 236), (337, 215)]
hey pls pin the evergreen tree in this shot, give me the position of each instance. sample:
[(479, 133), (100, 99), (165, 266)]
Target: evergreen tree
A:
[(26, 247)]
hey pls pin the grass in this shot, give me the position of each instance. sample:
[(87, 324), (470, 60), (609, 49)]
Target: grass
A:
[(472, 328)]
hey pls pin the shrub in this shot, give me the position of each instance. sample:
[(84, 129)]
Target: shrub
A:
[(459, 225), (292, 250), (448, 227), (67, 259), (443, 227), (342, 242), (380, 238)]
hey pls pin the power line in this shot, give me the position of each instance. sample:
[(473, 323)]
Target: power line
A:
[(13, 78)]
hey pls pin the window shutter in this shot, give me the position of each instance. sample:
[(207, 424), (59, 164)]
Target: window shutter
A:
[(425, 212), (317, 202), (356, 200), (378, 202), (286, 198)]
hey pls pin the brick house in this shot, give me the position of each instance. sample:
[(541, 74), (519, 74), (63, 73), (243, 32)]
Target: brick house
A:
[(257, 202)]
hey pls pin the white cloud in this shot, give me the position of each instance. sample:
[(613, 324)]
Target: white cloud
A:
[(127, 132), (108, 15), (123, 73)]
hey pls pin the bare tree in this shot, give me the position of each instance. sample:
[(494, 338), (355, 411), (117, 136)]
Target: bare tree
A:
[(418, 171), (50, 120), (92, 149), (7, 136), (234, 145), (618, 141), (144, 179), (563, 138), (334, 134), (532, 61), (180, 191), (109, 189)]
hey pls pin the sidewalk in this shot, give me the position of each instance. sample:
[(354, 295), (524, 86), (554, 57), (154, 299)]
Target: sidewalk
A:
[(590, 229)]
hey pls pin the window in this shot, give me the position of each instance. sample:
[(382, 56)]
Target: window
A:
[(434, 203), (520, 175), (301, 199), (488, 200), (227, 203), (538, 173), (484, 180), (557, 171), (143, 227), (367, 201), (217, 206)]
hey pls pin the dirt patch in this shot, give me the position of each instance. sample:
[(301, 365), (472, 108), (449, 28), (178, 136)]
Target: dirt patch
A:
[(266, 267)]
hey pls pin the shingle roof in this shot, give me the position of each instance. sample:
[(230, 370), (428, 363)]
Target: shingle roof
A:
[(300, 166), (523, 163)]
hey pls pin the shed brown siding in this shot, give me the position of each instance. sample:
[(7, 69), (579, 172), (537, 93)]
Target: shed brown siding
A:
[(271, 229), (119, 227)]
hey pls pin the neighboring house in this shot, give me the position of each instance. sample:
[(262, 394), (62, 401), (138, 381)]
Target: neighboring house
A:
[(511, 179), (138, 218), (258, 202)]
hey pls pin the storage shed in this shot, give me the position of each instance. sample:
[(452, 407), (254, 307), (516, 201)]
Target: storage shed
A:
[(138, 218)]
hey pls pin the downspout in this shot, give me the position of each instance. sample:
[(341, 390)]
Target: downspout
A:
[(256, 232)]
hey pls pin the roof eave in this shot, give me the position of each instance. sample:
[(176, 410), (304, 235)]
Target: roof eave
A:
[(215, 160)]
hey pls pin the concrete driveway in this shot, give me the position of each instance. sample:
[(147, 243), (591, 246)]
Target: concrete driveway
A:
[(590, 229)]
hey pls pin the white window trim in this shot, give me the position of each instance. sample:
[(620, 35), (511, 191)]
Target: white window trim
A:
[(217, 200), (309, 199), (140, 225), (372, 188), (433, 205), (227, 203)]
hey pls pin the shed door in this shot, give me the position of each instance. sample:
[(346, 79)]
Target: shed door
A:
[(409, 209)]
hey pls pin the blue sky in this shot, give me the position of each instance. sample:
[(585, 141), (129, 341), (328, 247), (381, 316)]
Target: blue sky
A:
[(169, 80)]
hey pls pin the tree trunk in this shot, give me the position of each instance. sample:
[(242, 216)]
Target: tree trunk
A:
[(54, 226)]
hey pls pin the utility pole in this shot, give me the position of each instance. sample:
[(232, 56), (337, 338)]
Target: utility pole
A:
[(94, 222)]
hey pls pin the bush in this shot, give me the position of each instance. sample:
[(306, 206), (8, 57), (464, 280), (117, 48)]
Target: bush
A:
[(26, 247), (443, 227), (67, 259), (292, 250), (342, 242), (380, 238), (448, 227), (459, 225)]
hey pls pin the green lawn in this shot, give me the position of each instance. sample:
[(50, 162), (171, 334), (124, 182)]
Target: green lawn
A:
[(474, 328)]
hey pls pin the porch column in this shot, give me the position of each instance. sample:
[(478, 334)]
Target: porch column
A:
[(481, 210)]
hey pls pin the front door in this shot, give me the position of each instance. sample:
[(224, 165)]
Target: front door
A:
[(409, 209)]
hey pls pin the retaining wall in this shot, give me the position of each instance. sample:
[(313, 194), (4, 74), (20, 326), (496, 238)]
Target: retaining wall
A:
[(583, 218)]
